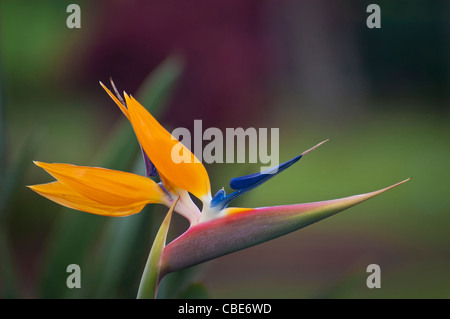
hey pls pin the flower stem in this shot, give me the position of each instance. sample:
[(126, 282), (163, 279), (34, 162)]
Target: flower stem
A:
[(150, 279)]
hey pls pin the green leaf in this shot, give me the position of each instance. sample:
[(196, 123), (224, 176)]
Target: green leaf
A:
[(2, 130), (158, 86), (13, 177), (76, 233), (148, 287), (11, 180), (121, 240), (72, 237), (118, 246)]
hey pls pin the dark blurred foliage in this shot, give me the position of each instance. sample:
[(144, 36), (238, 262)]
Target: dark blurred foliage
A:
[(224, 45), (239, 54), (412, 58)]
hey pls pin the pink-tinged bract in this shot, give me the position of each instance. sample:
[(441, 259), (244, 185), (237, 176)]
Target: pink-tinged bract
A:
[(241, 228)]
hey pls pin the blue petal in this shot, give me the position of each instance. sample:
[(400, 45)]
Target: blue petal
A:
[(245, 183), (218, 198), (256, 179)]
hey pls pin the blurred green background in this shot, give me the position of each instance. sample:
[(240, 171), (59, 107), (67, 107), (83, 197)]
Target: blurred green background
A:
[(311, 68)]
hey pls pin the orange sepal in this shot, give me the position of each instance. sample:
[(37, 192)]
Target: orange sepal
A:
[(160, 145), (63, 195)]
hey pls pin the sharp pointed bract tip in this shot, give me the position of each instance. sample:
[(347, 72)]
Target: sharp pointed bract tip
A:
[(314, 147), (404, 181), (391, 187)]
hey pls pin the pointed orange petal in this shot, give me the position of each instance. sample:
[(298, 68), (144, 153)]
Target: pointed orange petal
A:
[(63, 195), (109, 187), (119, 104), (159, 145)]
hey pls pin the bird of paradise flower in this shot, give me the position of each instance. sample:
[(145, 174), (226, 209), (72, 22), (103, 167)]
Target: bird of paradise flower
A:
[(214, 231)]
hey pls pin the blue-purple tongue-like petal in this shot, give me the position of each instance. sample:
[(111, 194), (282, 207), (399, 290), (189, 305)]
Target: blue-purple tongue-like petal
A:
[(245, 183), (219, 198), (256, 179)]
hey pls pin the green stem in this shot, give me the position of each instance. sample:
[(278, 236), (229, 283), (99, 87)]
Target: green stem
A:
[(148, 287)]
